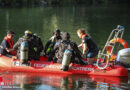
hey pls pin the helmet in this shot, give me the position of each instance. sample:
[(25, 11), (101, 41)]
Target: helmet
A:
[(57, 31), (28, 32)]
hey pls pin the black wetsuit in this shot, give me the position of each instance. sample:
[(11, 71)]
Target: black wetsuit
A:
[(51, 43)]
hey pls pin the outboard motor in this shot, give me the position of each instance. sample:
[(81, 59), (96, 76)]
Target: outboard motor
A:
[(123, 57), (24, 51), (66, 60)]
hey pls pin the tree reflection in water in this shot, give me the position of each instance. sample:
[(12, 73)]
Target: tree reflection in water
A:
[(61, 82)]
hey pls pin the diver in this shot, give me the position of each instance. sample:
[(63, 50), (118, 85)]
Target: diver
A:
[(31, 44), (88, 44), (69, 46), (38, 46), (49, 47), (6, 47)]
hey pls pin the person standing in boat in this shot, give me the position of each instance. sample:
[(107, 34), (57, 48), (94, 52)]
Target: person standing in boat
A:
[(6, 47), (31, 44), (87, 44), (49, 47)]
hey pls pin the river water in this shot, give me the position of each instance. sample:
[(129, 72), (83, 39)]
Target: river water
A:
[(98, 20)]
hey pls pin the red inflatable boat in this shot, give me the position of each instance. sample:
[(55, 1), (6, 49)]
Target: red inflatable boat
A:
[(43, 66)]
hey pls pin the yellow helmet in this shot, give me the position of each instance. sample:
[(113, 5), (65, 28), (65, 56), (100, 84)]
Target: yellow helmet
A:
[(28, 32)]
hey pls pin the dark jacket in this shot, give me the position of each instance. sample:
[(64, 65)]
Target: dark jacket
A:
[(92, 47), (38, 46)]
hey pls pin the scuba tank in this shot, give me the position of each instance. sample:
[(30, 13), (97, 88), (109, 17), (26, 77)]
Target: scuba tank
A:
[(66, 60), (24, 51)]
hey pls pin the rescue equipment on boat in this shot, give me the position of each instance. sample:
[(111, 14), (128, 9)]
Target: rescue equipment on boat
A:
[(114, 40), (24, 51), (66, 60), (106, 55), (121, 41)]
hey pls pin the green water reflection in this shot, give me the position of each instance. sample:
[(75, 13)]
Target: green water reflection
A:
[(98, 20)]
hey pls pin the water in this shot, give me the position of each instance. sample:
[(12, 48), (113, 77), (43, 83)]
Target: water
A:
[(98, 20), (33, 81)]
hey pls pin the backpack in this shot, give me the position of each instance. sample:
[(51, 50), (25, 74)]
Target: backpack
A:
[(62, 47)]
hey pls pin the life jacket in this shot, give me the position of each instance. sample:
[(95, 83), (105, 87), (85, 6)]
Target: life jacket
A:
[(11, 44), (10, 41), (82, 36)]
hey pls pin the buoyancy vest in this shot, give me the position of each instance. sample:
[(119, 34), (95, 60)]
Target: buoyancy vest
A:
[(10, 42), (11, 45), (82, 36)]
